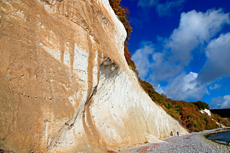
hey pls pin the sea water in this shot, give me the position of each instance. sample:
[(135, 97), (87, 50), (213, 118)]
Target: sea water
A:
[(222, 137)]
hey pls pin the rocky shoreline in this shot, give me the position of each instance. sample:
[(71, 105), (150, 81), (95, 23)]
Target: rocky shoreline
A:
[(190, 143)]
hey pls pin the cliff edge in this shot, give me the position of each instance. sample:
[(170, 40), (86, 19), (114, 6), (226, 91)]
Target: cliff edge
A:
[(65, 85)]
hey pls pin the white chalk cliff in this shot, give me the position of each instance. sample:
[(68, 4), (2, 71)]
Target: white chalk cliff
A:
[(207, 111), (65, 84)]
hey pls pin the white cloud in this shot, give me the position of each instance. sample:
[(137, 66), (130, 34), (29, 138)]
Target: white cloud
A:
[(195, 28), (141, 59), (218, 59), (162, 68), (154, 64), (214, 87), (220, 102), (166, 8), (185, 86), (147, 3), (159, 89)]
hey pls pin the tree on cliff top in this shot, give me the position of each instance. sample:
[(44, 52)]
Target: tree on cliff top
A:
[(202, 105)]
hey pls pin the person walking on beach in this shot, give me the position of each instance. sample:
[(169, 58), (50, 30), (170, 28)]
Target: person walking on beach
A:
[(177, 133), (171, 134)]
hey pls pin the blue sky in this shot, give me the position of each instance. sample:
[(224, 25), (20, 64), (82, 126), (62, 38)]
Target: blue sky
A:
[(182, 47)]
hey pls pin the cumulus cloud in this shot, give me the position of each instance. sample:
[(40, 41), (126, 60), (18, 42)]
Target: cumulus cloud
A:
[(214, 87), (218, 59), (147, 3), (156, 69), (166, 8), (220, 102), (185, 86), (141, 59), (162, 69), (194, 29), (154, 64)]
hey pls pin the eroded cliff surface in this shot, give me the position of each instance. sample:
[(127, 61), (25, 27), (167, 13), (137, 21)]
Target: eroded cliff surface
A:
[(65, 85)]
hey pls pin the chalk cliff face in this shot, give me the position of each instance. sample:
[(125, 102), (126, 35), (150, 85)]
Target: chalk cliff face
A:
[(65, 85)]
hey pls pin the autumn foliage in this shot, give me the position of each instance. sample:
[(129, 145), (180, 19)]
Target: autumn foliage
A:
[(186, 113)]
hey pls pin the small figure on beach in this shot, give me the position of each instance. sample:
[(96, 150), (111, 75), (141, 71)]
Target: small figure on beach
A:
[(171, 134), (177, 133)]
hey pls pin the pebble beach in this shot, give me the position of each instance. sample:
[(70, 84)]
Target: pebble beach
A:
[(190, 143)]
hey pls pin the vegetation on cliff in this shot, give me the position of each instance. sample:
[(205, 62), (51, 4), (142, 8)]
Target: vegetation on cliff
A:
[(188, 114)]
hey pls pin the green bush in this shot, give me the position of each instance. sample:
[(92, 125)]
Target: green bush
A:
[(168, 105), (201, 105)]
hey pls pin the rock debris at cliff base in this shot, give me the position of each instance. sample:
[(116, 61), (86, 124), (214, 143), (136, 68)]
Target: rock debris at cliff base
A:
[(193, 142)]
